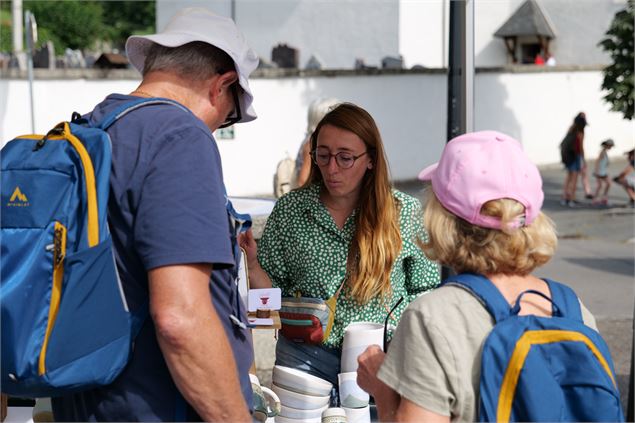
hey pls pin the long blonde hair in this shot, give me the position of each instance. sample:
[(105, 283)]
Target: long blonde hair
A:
[(377, 240)]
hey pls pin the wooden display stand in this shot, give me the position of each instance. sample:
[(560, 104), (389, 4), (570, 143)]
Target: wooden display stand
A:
[(276, 325)]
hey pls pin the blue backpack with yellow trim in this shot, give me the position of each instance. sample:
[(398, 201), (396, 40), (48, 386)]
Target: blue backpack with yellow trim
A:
[(65, 321), (542, 369)]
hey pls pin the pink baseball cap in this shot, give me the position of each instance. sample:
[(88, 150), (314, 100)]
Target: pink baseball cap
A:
[(483, 166)]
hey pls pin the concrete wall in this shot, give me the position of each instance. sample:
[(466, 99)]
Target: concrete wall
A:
[(340, 31), (409, 107)]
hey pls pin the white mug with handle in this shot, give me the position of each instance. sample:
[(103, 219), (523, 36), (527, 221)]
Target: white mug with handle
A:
[(266, 403)]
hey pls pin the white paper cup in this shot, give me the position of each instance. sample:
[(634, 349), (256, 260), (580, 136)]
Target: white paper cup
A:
[(351, 395)]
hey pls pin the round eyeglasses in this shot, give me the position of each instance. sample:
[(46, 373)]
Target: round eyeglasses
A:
[(344, 159)]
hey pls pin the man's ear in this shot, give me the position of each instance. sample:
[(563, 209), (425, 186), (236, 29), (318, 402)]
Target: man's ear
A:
[(220, 84)]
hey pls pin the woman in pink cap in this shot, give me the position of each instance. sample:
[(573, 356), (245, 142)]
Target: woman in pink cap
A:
[(484, 221)]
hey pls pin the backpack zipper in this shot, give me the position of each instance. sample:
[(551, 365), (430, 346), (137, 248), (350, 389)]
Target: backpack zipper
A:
[(63, 132), (59, 253)]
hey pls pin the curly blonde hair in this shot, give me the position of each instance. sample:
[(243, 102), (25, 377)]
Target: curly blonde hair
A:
[(464, 247)]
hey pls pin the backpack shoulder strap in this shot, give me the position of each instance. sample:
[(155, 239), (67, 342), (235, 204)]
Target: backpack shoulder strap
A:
[(483, 289), (112, 117), (566, 300)]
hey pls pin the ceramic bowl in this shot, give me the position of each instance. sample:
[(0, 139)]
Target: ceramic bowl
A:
[(300, 382), (296, 400)]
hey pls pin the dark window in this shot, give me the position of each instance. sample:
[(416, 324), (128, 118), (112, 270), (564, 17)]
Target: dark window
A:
[(528, 52)]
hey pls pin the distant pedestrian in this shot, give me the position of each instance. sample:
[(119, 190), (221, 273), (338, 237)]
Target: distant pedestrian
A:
[(601, 174), (551, 61), (572, 152), (317, 110), (539, 60), (627, 178)]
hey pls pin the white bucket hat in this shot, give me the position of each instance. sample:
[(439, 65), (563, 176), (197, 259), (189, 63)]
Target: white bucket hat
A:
[(199, 24)]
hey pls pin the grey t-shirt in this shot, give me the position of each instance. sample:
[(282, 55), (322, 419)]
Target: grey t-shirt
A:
[(434, 359)]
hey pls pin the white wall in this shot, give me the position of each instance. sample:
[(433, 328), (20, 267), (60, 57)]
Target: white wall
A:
[(535, 107), (423, 28), (538, 108), (336, 31)]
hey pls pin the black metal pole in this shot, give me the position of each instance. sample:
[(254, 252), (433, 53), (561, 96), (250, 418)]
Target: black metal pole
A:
[(456, 123)]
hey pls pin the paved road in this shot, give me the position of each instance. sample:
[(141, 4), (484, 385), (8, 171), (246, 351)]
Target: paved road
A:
[(595, 257)]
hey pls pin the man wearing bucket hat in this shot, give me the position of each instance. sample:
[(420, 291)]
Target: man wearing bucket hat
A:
[(482, 217), (170, 227)]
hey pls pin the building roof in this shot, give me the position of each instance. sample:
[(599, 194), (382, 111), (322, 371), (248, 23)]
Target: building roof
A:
[(529, 19)]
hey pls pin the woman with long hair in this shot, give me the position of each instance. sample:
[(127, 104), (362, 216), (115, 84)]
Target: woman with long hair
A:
[(577, 165), (346, 226)]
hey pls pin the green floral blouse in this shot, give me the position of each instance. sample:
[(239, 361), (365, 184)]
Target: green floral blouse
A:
[(302, 249)]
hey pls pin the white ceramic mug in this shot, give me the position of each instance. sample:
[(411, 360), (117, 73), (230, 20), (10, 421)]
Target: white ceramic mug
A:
[(351, 395), (357, 337), (358, 415), (348, 360), (334, 415), (265, 402), (359, 334)]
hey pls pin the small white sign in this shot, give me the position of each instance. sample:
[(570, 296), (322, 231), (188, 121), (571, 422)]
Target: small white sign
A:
[(264, 299), (254, 321)]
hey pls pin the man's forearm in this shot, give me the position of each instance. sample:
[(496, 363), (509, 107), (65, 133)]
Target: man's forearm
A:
[(202, 365), (193, 342)]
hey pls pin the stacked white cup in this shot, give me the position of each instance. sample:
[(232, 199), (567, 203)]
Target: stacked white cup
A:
[(357, 337)]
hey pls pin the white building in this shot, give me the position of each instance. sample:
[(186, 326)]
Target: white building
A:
[(340, 31)]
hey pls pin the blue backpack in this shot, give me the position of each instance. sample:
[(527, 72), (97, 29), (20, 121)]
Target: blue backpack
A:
[(65, 321), (542, 368)]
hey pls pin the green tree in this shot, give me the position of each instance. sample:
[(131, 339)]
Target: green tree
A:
[(126, 18), (5, 27), (68, 23), (78, 24), (618, 77)]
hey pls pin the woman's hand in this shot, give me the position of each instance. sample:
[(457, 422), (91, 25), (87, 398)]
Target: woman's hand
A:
[(248, 243), (258, 278), (369, 363), (388, 401)]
